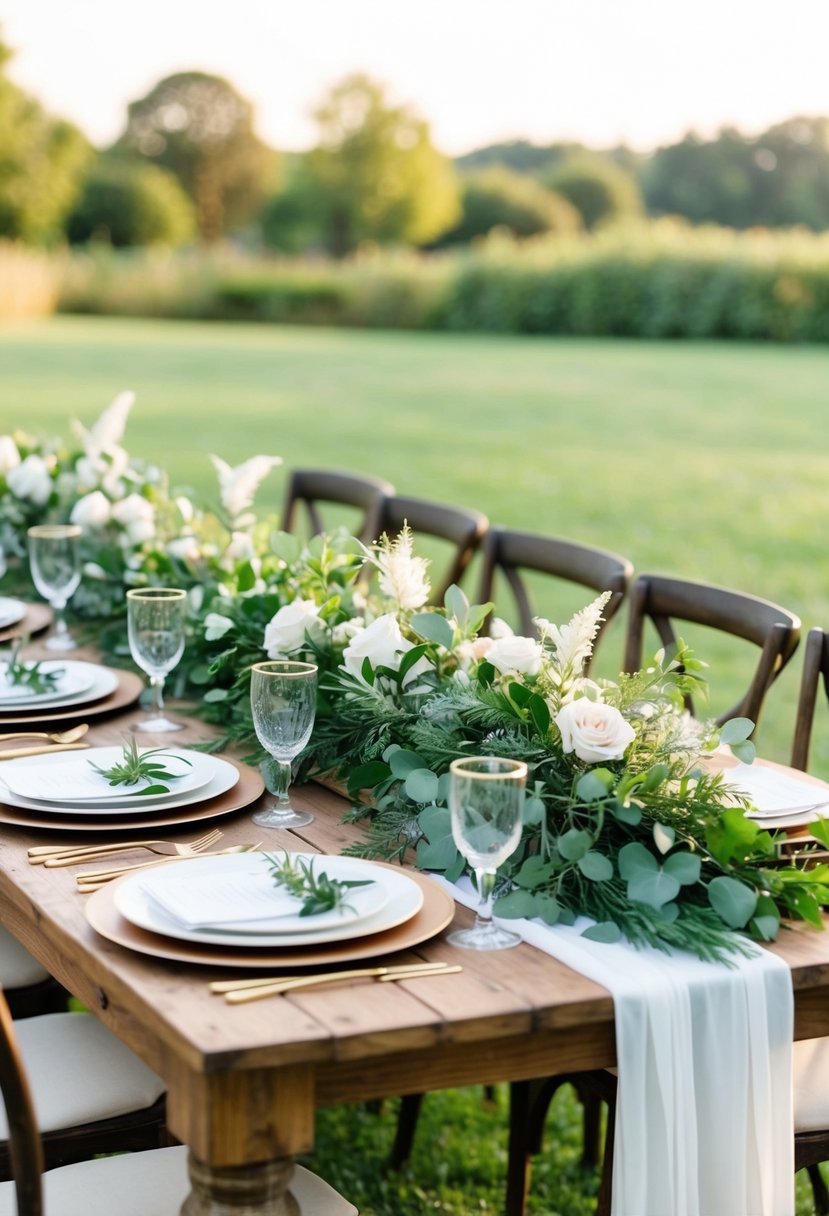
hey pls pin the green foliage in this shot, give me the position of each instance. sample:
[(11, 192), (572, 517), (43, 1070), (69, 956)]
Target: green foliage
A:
[(497, 198), (129, 203), (201, 129), (600, 190), (376, 168)]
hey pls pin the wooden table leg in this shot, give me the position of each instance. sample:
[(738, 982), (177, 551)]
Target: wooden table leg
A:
[(241, 1190)]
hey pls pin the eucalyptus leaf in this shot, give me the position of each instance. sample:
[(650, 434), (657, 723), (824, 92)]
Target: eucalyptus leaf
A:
[(533, 811), (596, 866), (367, 776), (574, 843), (434, 628), (435, 821), (285, 546), (547, 907), (635, 859), (685, 867), (736, 730), (215, 694), (457, 606), (437, 855), (516, 904), (630, 813), (246, 578), (668, 913), (402, 762), (533, 871), (732, 900), (654, 888), (745, 751), (594, 785), (606, 931), (421, 785)]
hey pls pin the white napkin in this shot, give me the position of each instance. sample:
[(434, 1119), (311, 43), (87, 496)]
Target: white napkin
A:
[(772, 792), (75, 780), (203, 901), (704, 1121)]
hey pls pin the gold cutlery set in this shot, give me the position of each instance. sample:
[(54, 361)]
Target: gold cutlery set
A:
[(239, 992), (59, 741)]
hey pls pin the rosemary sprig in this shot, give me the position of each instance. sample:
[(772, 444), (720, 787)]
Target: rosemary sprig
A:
[(144, 766), (318, 892), (30, 675)]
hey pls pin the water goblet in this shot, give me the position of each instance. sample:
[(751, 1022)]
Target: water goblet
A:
[(55, 566), (486, 799), (155, 626), (283, 699)]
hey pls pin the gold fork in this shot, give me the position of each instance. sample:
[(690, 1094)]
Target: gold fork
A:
[(51, 856)]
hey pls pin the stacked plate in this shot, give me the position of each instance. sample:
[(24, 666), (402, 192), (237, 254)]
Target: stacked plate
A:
[(74, 685), (12, 612), (227, 910), (780, 799), (70, 785)]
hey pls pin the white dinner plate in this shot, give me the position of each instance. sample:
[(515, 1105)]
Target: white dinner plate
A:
[(776, 795), (225, 776), (11, 611), (404, 899), (72, 780), (73, 679), (102, 682)]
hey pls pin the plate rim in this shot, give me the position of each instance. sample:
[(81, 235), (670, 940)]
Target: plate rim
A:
[(137, 800)]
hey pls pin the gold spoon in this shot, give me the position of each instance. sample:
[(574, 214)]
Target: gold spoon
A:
[(61, 736)]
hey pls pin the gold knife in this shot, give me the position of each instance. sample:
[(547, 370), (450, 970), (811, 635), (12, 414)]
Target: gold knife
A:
[(240, 991)]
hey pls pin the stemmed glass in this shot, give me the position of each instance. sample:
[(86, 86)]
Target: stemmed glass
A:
[(55, 566), (155, 625), (283, 699), (486, 798)]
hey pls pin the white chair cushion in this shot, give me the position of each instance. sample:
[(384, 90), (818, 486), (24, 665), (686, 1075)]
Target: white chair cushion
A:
[(79, 1072), (810, 1067), (17, 967), (150, 1184)]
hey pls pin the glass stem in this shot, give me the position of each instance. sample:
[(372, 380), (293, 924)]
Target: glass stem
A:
[(281, 782), (60, 619), (157, 685), (486, 885)]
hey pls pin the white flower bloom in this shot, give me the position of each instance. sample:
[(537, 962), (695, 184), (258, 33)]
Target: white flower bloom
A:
[(185, 509), (471, 652), (108, 431), (403, 577), (240, 549), (573, 642), (594, 731), (195, 598), (216, 626), (285, 632), (347, 630), (515, 654), (30, 479), (137, 517), (9, 454), (499, 629), (237, 486), (381, 643), (94, 571), (92, 510), (185, 549)]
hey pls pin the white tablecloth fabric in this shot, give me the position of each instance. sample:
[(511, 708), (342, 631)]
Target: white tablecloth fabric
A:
[(704, 1116)]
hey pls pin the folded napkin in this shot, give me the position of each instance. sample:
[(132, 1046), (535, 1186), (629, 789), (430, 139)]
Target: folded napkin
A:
[(704, 1117), (204, 901), (773, 792)]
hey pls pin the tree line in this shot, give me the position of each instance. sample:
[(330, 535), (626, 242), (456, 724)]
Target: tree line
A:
[(189, 166)]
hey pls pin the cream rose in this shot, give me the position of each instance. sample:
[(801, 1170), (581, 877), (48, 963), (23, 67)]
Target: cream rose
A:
[(381, 643), (216, 626), (30, 479), (594, 731), (137, 517), (9, 454), (285, 632), (92, 511), (516, 654)]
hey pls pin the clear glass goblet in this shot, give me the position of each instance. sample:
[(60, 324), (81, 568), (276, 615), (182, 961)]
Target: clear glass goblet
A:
[(486, 799), (283, 699), (155, 626), (55, 565)]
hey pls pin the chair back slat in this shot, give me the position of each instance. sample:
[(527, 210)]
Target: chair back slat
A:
[(775, 630), (463, 527), (310, 487), (815, 666), (24, 1138)]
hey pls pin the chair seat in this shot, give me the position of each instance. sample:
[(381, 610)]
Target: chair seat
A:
[(80, 1073), (152, 1183), (18, 969)]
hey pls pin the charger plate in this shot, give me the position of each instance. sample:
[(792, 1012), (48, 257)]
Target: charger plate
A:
[(37, 618), (128, 689), (246, 791), (437, 912)]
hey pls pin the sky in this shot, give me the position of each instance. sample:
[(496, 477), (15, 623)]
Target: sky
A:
[(641, 72)]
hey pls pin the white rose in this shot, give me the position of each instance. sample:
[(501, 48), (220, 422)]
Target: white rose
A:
[(499, 629), (30, 479), (92, 511), (514, 653), (347, 630), (137, 517), (381, 643), (9, 455), (216, 626), (240, 549), (594, 731), (285, 632), (184, 549)]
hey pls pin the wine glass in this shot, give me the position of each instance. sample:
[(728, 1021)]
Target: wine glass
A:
[(486, 799), (283, 699), (55, 567), (155, 625)]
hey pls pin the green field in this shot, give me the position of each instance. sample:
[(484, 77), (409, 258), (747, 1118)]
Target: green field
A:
[(703, 460)]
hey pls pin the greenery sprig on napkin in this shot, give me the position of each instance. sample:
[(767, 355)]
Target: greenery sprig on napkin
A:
[(318, 892), (30, 675), (138, 766)]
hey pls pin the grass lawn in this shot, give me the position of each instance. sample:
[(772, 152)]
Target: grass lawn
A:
[(704, 460)]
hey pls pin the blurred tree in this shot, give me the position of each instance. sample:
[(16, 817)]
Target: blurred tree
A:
[(131, 203), (295, 219), (597, 187), (42, 160), (497, 198), (381, 178), (201, 129)]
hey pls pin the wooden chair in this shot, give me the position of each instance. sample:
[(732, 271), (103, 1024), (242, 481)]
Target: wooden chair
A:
[(463, 527), (773, 629), (510, 553), (815, 668), (153, 1183), (309, 488)]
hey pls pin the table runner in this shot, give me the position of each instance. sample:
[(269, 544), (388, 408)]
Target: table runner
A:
[(704, 1115)]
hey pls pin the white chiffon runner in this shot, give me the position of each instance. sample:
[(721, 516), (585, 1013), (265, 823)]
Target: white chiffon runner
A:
[(704, 1109)]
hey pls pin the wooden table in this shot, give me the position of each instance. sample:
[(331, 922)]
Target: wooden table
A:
[(243, 1082)]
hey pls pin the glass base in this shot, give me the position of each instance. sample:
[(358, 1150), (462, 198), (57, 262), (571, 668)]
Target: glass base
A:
[(61, 641), (273, 817), (484, 937), (158, 725)]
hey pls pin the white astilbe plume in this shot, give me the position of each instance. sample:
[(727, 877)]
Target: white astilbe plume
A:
[(238, 486), (573, 642), (403, 576), (106, 434)]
